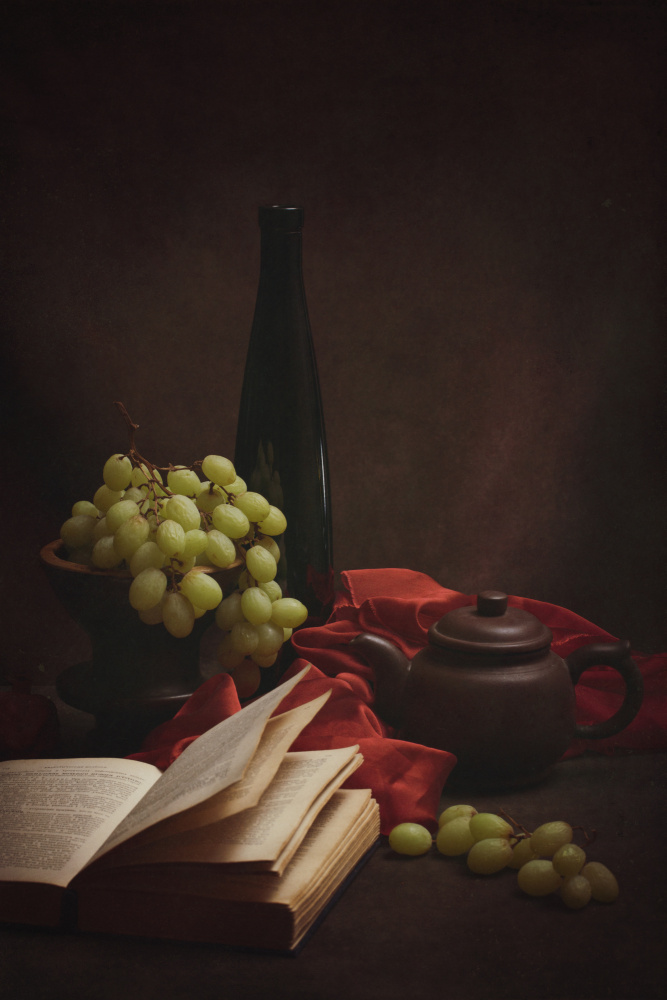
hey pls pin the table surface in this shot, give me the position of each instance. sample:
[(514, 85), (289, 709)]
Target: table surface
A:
[(422, 927)]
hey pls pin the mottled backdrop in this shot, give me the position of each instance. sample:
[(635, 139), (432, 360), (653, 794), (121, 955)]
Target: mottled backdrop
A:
[(484, 264)]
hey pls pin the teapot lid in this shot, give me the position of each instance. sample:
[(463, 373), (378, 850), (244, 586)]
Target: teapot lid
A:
[(490, 627)]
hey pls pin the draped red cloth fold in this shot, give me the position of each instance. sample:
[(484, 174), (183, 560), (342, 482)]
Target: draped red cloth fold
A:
[(401, 605)]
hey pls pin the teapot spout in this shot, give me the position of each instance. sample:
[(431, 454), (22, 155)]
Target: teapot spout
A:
[(391, 669)]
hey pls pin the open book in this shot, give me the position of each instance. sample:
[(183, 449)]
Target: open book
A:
[(239, 841)]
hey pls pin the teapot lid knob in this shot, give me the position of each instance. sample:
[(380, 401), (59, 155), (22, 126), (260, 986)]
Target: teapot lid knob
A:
[(491, 603)]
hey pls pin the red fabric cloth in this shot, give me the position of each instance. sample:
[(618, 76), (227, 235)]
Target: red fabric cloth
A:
[(407, 778)]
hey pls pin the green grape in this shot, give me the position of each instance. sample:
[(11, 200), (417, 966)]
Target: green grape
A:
[(184, 511), (149, 554), (489, 855), (154, 615), (484, 825), (134, 493), (287, 634), (410, 838), (237, 486), (178, 615), (85, 507), (260, 564), (117, 472), (181, 564), (229, 612), (270, 638), (246, 678), (228, 657), (272, 588), (143, 477), (575, 892), (195, 542), (220, 549), (119, 512), (254, 506), (454, 837), (244, 637), (453, 812), (219, 470), (77, 531), (210, 496), (548, 837), (522, 852), (270, 545), (201, 589), (569, 860), (147, 589), (130, 536), (604, 886), (104, 555), (538, 877), (183, 481), (288, 612), (231, 521), (101, 529), (256, 605), (170, 536), (105, 498), (264, 659), (274, 523)]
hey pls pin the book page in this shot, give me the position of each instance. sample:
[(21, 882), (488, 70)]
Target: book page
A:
[(56, 813), (279, 734), (214, 761), (259, 833)]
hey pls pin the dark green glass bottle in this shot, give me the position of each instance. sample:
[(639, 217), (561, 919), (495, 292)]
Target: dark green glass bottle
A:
[(281, 449)]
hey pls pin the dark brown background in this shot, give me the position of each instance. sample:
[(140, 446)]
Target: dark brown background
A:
[(483, 260)]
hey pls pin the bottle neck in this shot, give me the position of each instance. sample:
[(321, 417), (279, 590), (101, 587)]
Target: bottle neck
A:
[(280, 255)]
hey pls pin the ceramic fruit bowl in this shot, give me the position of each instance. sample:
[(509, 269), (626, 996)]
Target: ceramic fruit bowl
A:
[(138, 675)]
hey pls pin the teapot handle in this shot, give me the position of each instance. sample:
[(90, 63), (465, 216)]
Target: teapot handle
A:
[(616, 655)]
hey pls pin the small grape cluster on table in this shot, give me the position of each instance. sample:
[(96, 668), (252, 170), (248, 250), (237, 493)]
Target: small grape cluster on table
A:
[(171, 533), (546, 860)]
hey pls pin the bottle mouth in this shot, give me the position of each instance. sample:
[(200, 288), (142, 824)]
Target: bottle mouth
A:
[(281, 218)]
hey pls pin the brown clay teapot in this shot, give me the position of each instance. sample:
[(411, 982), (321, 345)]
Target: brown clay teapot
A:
[(489, 688)]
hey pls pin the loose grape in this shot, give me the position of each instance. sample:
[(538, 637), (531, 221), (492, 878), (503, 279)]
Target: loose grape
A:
[(178, 615), (117, 472), (548, 837), (147, 589), (231, 521), (454, 837), (569, 860), (522, 852), (219, 470), (538, 877), (288, 612), (604, 886), (452, 812), (488, 855), (575, 892), (484, 825), (410, 838), (201, 589)]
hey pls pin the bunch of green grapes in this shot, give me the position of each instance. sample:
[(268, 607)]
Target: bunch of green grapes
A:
[(546, 860), (171, 535)]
